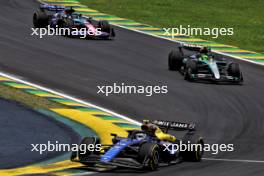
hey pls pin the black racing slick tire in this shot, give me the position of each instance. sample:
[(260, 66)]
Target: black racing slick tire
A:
[(105, 26), (175, 60), (112, 34), (191, 68), (87, 141), (40, 19), (196, 149), (234, 70), (149, 156), (61, 23)]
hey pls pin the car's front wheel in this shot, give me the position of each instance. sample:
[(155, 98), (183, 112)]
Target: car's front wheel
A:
[(83, 155), (190, 70), (234, 71), (105, 26), (149, 156)]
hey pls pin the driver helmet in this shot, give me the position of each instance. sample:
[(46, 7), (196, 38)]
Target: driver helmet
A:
[(69, 11), (204, 57), (204, 50), (148, 127), (140, 136)]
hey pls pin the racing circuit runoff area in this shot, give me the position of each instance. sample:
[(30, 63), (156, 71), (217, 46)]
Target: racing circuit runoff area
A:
[(224, 114)]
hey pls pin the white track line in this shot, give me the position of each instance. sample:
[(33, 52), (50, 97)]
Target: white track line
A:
[(69, 97), (218, 52), (83, 174), (111, 112), (153, 35), (119, 115), (234, 160)]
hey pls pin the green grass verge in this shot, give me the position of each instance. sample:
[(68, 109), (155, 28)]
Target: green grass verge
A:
[(31, 101), (246, 17)]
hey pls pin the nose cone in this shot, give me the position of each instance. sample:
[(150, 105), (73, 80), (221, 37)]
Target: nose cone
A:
[(214, 69)]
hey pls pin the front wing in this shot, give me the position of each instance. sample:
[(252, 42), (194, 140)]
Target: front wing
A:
[(223, 78), (116, 162)]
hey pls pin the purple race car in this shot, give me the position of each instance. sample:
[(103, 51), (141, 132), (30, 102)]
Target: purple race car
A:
[(69, 23)]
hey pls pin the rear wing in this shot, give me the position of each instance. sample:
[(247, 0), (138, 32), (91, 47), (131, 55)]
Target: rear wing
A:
[(193, 47), (50, 7), (169, 125)]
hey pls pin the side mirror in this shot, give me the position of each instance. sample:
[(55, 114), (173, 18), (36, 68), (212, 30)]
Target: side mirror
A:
[(114, 135)]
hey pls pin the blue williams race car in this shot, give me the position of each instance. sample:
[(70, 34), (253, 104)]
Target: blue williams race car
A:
[(74, 24), (204, 65), (145, 149)]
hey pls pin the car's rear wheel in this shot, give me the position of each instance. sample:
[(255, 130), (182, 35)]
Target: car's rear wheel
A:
[(149, 156), (175, 60), (40, 19), (197, 145)]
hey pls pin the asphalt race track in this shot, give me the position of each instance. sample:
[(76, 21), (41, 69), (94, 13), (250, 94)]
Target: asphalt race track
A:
[(21, 127), (224, 113)]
